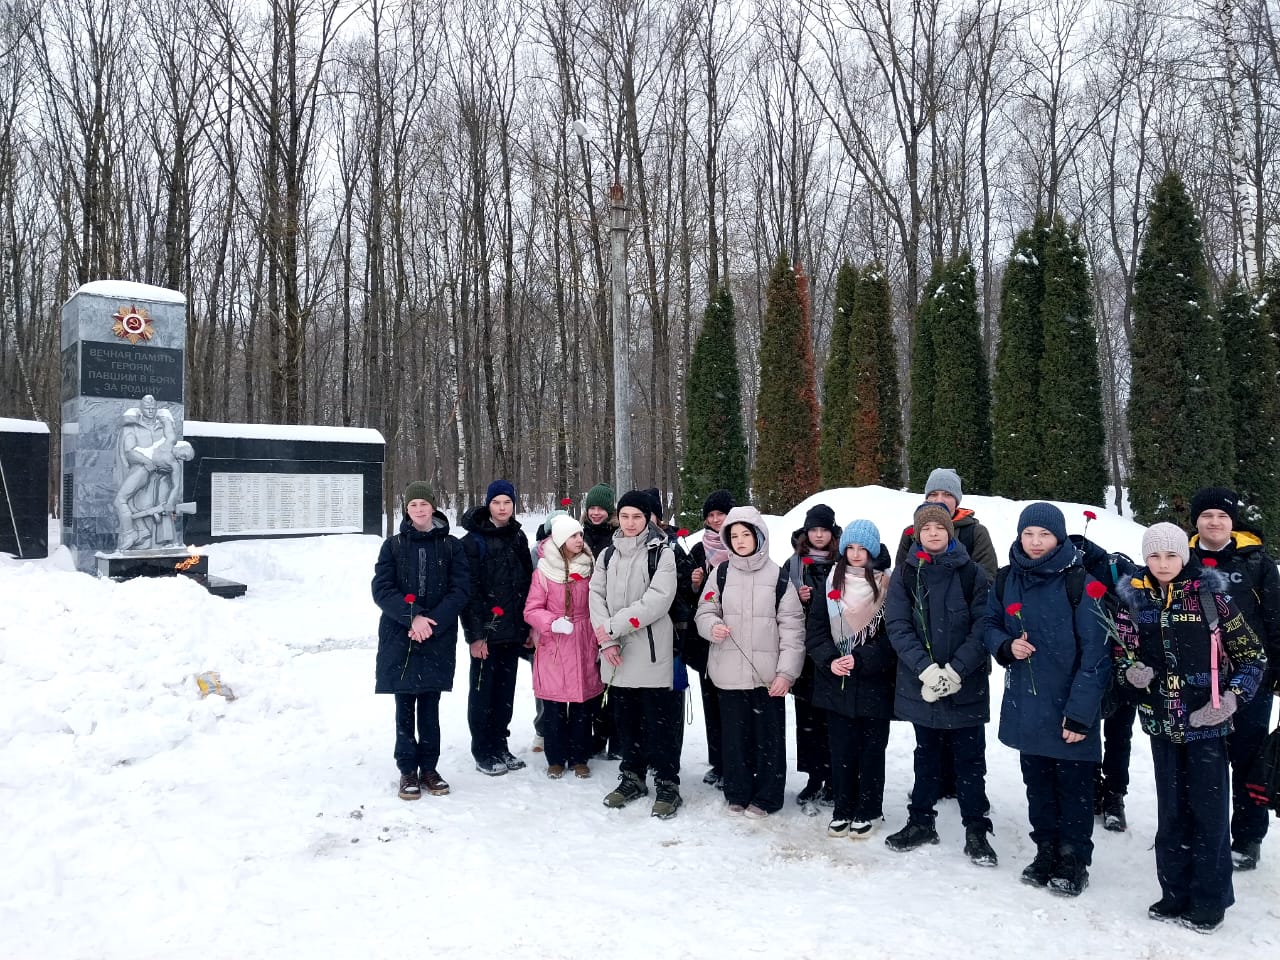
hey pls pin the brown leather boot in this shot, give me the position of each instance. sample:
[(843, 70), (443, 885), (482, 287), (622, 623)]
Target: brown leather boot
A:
[(434, 784)]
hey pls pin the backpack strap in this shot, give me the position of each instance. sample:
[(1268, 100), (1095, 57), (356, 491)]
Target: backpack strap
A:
[(1002, 577), (722, 574), (605, 557), (794, 571), (780, 589), (968, 574)]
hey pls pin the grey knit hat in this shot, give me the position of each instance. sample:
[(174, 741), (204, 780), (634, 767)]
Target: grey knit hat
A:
[(946, 480), (1161, 537)]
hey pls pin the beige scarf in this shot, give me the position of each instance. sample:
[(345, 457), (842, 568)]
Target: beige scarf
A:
[(857, 612)]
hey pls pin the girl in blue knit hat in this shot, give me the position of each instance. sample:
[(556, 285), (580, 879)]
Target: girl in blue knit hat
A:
[(853, 681)]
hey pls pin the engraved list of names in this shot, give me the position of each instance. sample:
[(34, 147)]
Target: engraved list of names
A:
[(263, 504)]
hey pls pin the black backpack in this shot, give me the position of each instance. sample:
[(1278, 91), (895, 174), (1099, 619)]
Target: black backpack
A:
[(1263, 781)]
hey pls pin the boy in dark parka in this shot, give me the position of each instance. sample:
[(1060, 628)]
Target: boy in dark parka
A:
[(1058, 662), (935, 625), (501, 570), (421, 582)]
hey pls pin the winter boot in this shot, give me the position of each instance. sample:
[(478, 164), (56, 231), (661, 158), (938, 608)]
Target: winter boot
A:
[(511, 760), (667, 801), (713, 778), (630, 787), (409, 786), (1245, 856), (976, 847), (434, 784), (827, 795), (914, 834), (1070, 874), (555, 771), (1039, 870), (1113, 813), (491, 767), (1203, 919), (1167, 910), (811, 791)]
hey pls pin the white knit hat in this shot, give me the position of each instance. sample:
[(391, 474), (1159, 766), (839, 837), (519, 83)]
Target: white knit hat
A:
[(563, 527), (1162, 537)]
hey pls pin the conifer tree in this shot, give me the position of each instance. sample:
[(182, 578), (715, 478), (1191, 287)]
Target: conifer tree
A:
[(921, 457), (960, 427), (875, 304), (834, 452), (1015, 445), (1072, 454), (786, 469), (1177, 416), (1253, 399), (716, 449)]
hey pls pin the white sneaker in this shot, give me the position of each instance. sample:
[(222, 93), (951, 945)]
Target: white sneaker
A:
[(859, 829), (838, 828), (754, 813)]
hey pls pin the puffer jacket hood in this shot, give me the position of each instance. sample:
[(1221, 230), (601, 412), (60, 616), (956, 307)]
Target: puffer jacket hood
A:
[(749, 516)]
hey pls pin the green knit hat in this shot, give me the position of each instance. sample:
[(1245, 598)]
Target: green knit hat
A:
[(601, 495), (418, 490)]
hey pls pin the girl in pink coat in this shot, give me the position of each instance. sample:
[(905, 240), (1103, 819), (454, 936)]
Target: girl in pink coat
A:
[(566, 668)]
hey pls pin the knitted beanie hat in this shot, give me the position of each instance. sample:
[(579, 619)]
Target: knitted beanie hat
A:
[(865, 534), (1216, 498), (637, 499), (500, 488), (418, 490), (601, 495), (1043, 515), (1162, 537), (562, 528), (820, 515), (946, 480), (721, 500), (930, 512)]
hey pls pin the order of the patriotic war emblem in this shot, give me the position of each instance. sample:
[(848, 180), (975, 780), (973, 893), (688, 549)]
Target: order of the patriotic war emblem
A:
[(132, 323)]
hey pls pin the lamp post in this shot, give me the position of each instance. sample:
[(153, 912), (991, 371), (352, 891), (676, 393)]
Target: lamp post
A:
[(623, 480)]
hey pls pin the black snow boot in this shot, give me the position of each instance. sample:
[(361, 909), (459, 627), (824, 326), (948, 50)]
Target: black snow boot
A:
[(1039, 870), (976, 847)]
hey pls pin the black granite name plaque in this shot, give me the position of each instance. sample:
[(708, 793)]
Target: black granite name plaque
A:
[(127, 372)]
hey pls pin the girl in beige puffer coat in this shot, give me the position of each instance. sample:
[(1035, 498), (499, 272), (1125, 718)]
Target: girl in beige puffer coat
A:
[(756, 630)]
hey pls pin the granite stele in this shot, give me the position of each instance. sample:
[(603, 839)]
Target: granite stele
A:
[(122, 414)]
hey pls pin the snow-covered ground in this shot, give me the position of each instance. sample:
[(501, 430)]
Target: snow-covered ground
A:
[(141, 821)]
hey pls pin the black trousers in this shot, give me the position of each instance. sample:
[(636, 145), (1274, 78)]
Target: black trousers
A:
[(813, 753), (969, 747), (1060, 803), (1193, 849), (567, 732), (649, 730), (711, 717), (1117, 748), (857, 746), (603, 737), (754, 747), (491, 694), (1252, 723), (423, 752)]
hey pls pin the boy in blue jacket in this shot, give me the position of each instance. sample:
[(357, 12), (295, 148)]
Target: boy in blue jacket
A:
[(1058, 660)]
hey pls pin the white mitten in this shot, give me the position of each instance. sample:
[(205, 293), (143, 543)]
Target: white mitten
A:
[(561, 625)]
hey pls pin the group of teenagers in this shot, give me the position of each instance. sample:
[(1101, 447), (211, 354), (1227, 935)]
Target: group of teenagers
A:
[(614, 610)]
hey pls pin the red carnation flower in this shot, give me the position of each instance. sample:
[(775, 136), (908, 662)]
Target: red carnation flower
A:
[(682, 532), (1209, 562), (909, 532), (807, 561), (565, 501), (1095, 589), (1090, 515), (922, 556), (833, 595), (496, 611), (1013, 609), (410, 597), (711, 595), (634, 623)]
